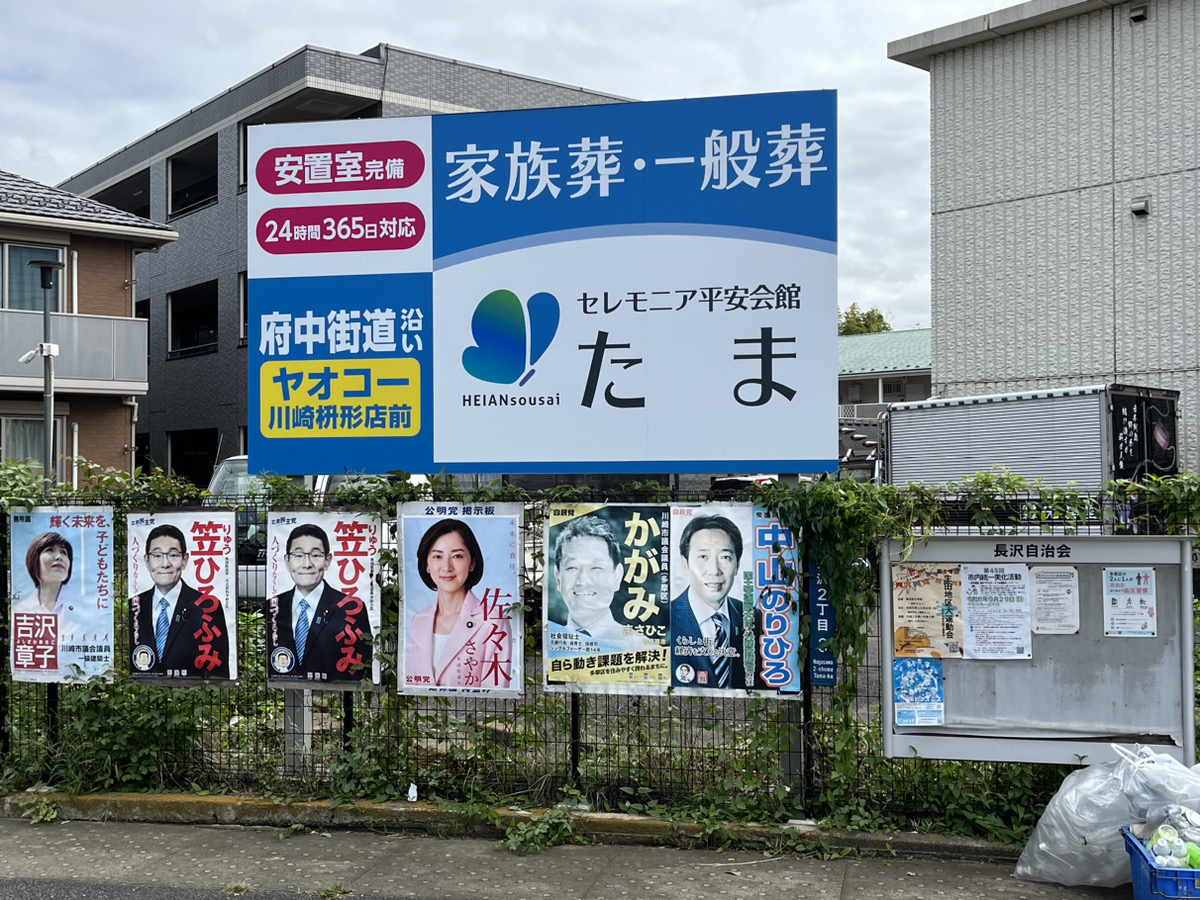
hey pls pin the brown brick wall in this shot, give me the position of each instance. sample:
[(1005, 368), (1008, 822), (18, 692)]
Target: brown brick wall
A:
[(104, 430), (104, 267)]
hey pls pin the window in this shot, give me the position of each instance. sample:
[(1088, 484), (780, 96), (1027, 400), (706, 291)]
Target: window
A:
[(22, 438), (21, 286), (192, 454), (893, 388), (132, 194), (192, 321), (192, 177)]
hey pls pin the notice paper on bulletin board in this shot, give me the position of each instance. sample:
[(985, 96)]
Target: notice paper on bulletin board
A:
[(995, 602), (1130, 608)]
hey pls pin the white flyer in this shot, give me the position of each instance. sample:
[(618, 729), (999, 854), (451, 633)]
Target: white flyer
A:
[(1130, 606), (1055, 591), (995, 601)]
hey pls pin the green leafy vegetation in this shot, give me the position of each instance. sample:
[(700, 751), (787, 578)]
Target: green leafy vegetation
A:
[(709, 764)]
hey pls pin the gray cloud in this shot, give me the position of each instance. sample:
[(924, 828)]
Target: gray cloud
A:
[(79, 80)]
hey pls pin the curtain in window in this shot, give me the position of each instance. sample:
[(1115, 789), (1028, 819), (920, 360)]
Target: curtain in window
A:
[(23, 440), (24, 283)]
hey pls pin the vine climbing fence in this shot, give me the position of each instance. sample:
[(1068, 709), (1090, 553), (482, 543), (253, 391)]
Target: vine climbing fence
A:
[(746, 757)]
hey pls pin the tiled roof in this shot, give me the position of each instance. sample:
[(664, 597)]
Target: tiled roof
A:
[(884, 351), (20, 196)]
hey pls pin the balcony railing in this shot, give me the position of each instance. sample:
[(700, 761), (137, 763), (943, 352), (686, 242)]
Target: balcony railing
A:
[(860, 410), (97, 354)]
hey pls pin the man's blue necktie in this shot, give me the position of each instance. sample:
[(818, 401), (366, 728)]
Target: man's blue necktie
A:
[(721, 664), (301, 630), (161, 626)]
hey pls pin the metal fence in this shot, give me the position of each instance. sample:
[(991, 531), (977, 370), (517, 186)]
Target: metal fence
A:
[(610, 748)]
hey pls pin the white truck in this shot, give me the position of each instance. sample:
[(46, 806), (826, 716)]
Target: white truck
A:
[(1082, 436)]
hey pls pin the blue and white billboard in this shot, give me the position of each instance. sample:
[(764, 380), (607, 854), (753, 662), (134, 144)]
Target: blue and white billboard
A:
[(626, 288)]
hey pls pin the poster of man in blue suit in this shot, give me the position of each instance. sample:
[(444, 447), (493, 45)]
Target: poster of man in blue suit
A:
[(708, 616)]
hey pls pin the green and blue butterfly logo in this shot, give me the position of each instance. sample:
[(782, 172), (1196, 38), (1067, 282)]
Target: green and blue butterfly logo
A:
[(510, 337)]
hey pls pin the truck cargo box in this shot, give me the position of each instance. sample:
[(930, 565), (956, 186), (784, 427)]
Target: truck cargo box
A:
[(1083, 436)]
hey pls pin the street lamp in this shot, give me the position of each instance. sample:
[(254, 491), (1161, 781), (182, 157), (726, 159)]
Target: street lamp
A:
[(47, 351)]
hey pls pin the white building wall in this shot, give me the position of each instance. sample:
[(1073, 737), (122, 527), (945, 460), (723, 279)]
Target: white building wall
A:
[(1042, 277), (1156, 79), (1024, 115)]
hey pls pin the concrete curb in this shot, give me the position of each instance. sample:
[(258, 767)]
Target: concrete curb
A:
[(428, 818)]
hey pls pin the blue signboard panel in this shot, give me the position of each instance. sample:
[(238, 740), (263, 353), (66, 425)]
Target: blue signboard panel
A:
[(822, 664), (634, 287)]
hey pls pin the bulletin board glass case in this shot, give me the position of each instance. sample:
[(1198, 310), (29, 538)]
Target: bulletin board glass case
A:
[(1047, 648)]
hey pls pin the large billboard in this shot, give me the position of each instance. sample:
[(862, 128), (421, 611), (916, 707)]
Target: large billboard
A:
[(626, 288)]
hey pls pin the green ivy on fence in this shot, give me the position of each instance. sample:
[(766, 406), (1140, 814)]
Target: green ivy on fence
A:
[(121, 736)]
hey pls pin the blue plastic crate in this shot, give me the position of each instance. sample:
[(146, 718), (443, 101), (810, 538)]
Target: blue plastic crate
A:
[(1149, 881)]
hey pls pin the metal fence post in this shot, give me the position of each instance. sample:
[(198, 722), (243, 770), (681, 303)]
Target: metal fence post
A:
[(297, 728), (576, 738)]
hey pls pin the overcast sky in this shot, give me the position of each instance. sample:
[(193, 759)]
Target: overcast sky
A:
[(79, 79)]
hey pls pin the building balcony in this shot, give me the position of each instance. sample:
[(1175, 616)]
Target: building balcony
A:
[(96, 354), (860, 410)]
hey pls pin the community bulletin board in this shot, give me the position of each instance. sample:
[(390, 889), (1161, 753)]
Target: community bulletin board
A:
[(1046, 648)]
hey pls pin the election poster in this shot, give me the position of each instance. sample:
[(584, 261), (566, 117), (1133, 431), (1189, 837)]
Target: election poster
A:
[(462, 627), (774, 654), (606, 603), (323, 603), (182, 600), (701, 599), (62, 594), (713, 605)]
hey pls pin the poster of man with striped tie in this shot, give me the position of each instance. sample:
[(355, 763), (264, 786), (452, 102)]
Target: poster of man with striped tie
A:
[(323, 607), (182, 603), (710, 569), (734, 614)]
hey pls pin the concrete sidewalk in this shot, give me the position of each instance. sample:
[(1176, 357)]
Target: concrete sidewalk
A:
[(222, 843)]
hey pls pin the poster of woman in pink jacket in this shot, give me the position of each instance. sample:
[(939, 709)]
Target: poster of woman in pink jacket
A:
[(461, 609)]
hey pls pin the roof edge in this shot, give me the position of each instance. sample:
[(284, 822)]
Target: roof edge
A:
[(919, 49), (154, 237)]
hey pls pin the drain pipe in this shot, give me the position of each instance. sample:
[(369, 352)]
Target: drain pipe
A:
[(74, 456), (132, 403)]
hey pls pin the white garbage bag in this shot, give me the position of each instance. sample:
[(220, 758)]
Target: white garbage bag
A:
[(1078, 839)]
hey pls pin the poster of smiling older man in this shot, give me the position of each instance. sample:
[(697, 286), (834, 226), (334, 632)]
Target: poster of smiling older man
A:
[(182, 603), (462, 628), (323, 611), (605, 598)]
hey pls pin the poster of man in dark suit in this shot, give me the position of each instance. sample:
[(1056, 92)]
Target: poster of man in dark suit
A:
[(319, 633), (707, 617), (179, 631)]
